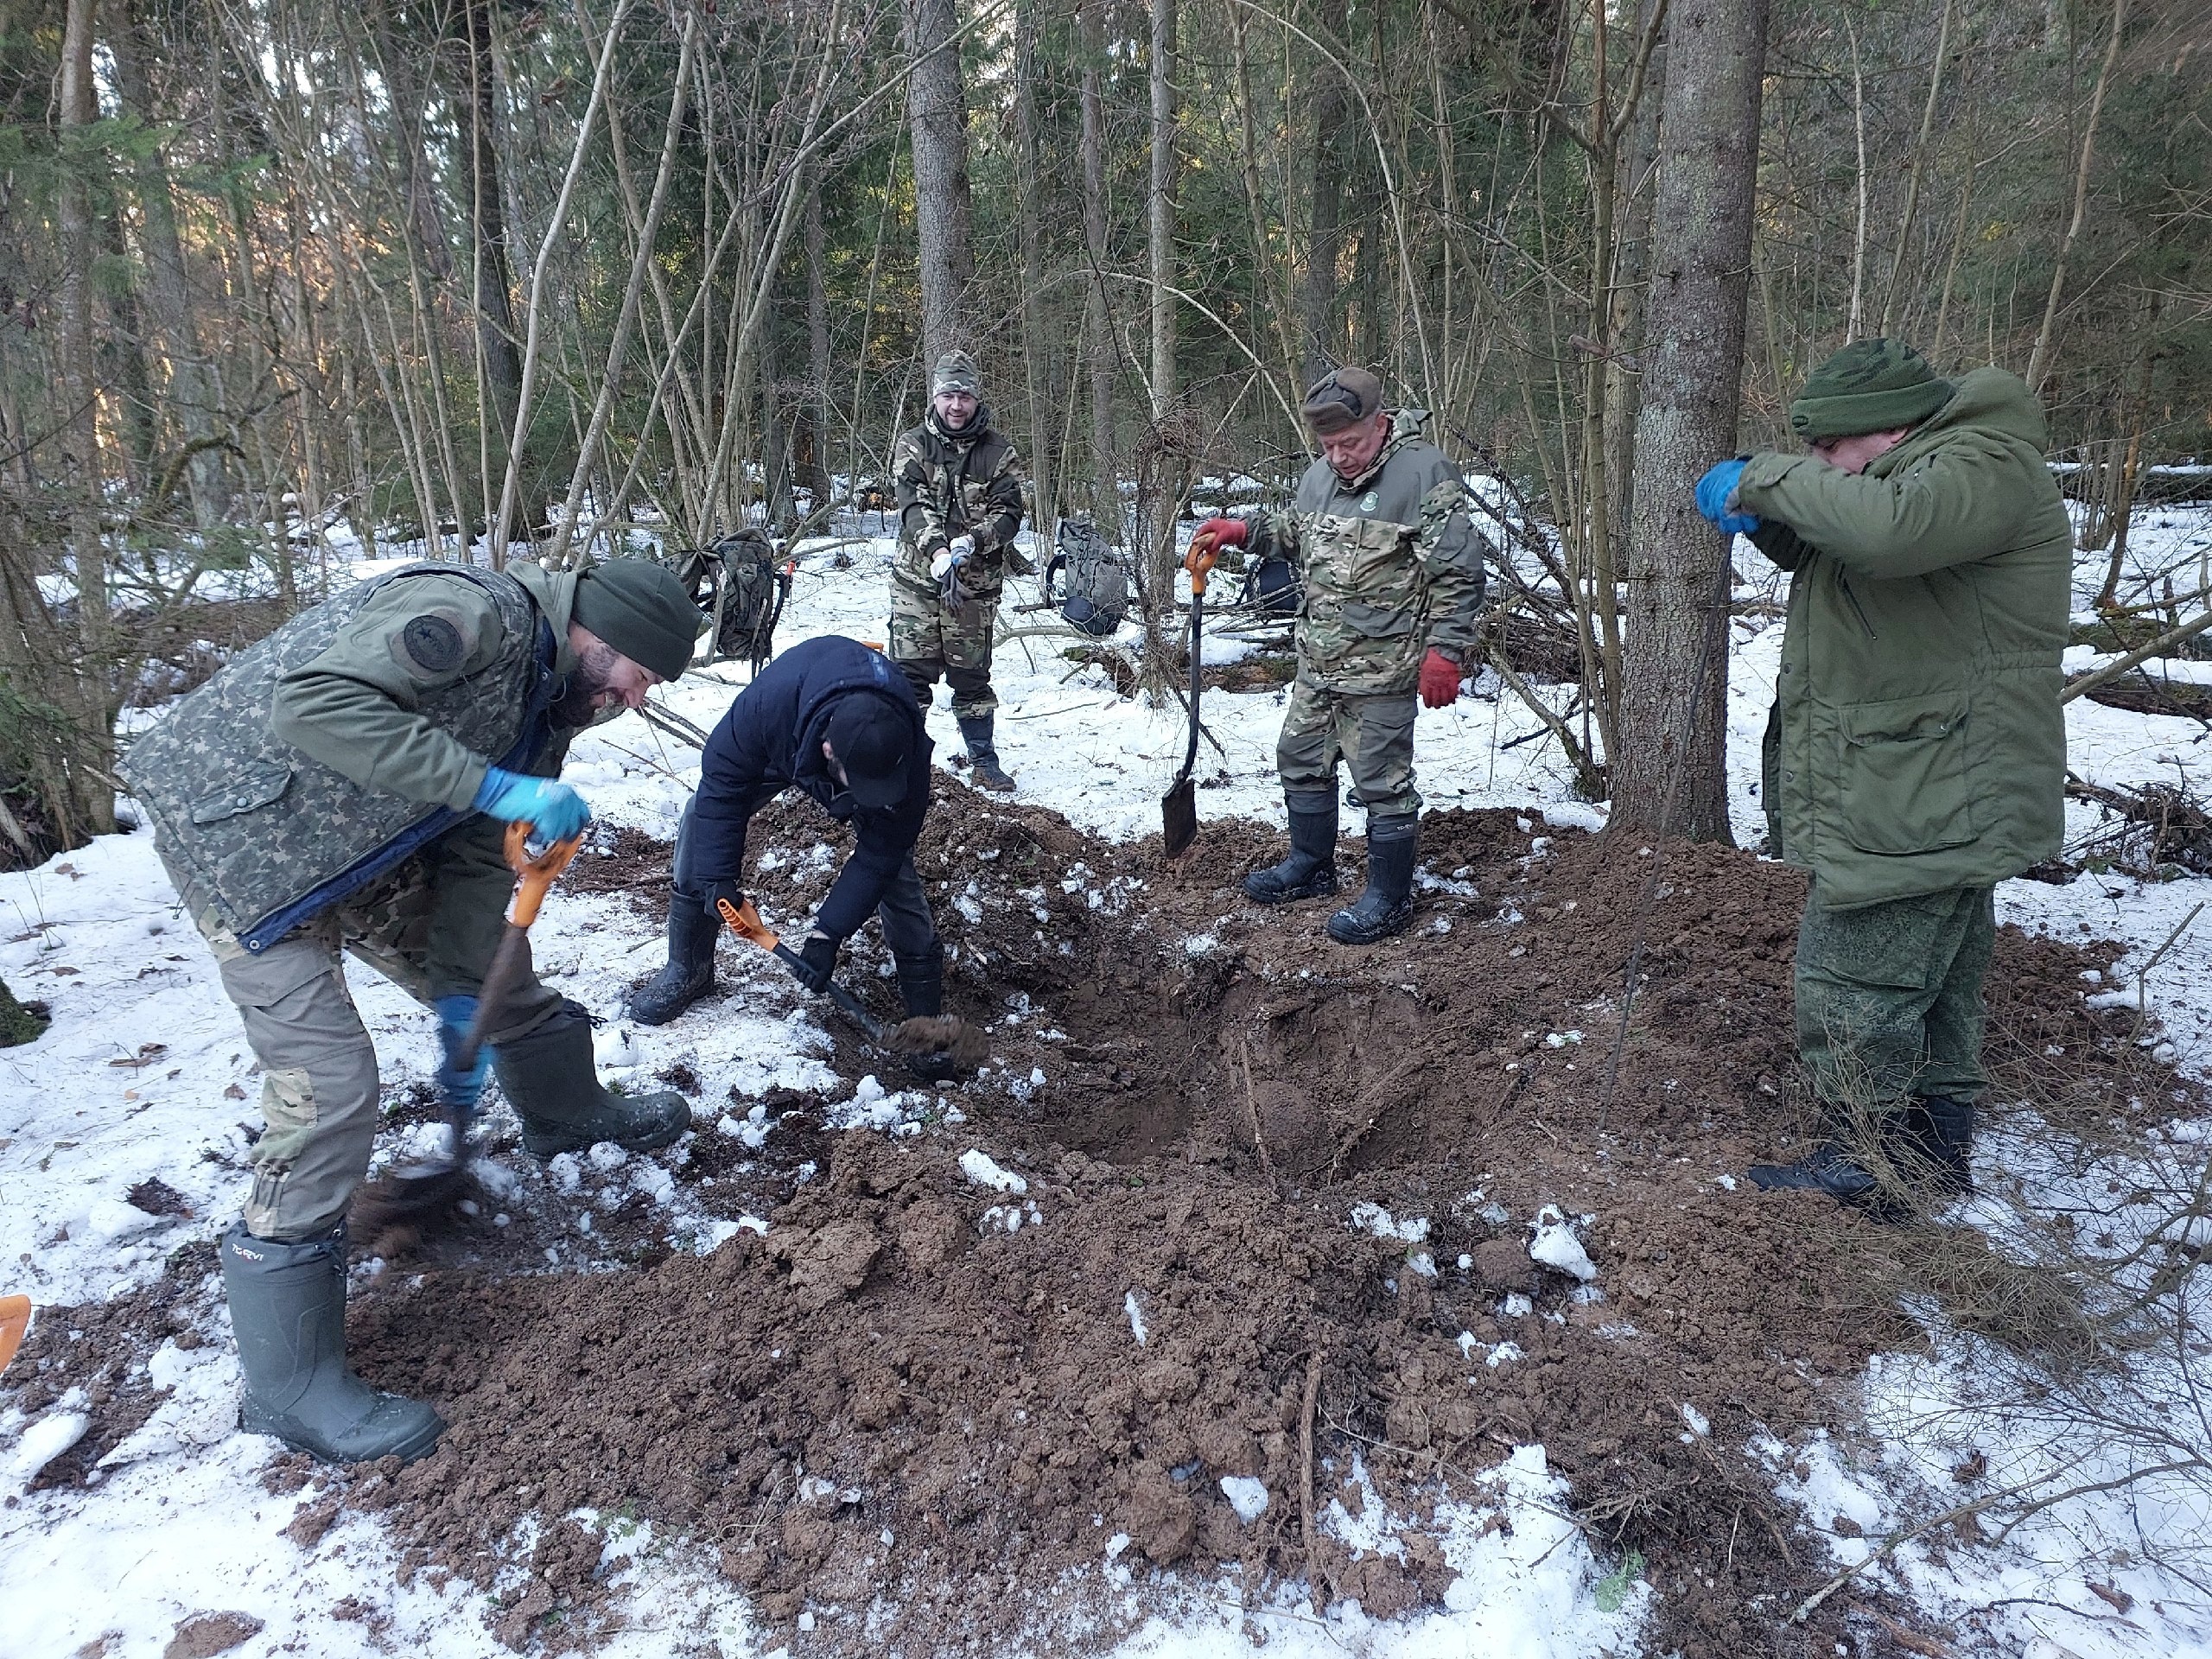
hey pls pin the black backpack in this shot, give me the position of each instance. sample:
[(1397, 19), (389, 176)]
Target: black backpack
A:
[(1097, 583), (737, 584)]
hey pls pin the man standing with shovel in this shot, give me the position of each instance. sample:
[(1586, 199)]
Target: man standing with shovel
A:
[(345, 786), (1392, 568)]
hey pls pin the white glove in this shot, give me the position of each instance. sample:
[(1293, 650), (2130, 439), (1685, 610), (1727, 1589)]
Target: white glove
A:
[(962, 546), (943, 563)]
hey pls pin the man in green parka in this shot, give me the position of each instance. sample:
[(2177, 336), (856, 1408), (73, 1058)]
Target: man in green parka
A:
[(1917, 754)]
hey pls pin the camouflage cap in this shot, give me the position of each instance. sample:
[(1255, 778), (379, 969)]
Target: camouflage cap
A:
[(956, 371), (1870, 385), (1340, 398)]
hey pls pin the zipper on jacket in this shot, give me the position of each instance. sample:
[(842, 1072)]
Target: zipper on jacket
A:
[(1844, 584)]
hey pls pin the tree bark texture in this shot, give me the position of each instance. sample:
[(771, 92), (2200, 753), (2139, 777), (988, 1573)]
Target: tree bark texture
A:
[(937, 112), (1318, 309), (1106, 493), (1670, 777), (1038, 350)]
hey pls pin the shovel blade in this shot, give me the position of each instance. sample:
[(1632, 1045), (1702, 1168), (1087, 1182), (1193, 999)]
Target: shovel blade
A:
[(1178, 817)]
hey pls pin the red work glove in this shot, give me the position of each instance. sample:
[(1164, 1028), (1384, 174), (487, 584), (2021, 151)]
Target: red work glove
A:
[(1440, 680), (1222, 532)]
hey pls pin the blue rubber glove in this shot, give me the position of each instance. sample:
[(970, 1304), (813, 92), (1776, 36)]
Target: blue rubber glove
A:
[(1714, 492), (551, 808), (455, 1014)]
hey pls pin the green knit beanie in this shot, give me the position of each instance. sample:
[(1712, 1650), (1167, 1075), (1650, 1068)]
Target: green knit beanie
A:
[(1870, 385), (640, 609)]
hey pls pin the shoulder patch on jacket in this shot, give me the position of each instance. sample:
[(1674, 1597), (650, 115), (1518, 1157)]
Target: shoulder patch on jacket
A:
[(431, 643)]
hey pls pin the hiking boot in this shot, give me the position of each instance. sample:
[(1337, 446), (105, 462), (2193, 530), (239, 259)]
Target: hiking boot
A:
[(548, 1074), (982, 756), (1388, 905), (1939, 1130), (689, 972), (288, 1308), (1310, 869)]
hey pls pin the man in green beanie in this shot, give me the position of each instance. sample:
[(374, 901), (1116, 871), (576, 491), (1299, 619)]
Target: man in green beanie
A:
[(960, 506), (1917, 754), (345, 786)]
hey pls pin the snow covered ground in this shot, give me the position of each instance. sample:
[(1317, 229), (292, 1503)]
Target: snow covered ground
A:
[(146, 1071)]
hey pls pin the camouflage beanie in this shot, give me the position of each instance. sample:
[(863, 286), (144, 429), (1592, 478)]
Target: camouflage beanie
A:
[(1341, 399), (640, 609), (1870, 385), (956, 371)]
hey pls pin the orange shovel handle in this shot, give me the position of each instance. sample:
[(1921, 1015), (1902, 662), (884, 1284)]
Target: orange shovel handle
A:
[(534, 877), (1200, 559), (745, 921), (14, 1319)]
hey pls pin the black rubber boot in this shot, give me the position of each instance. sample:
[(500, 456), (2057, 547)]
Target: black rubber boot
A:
[(550, 1076), (921, 984), (1388, 904), (1310, 871), (689, 973), (983, 755), (288, 1306), (1939, 1130)]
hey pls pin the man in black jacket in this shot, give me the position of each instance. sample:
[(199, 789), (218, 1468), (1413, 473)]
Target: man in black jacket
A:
[(839, 721)]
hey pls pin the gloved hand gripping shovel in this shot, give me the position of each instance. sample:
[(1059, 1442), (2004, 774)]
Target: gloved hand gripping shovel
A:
[(1178, 807), (422, 1192), (932, 1047)]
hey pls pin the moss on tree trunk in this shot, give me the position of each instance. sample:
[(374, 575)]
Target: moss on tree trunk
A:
[(18, 1024)]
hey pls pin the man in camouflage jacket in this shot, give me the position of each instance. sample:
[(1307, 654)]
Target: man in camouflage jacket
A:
[(960, 506), (344, 786), (1392, 568), (1917, 753)]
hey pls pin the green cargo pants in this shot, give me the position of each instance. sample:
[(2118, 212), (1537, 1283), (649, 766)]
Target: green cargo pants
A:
[(928, 643), (429, 927), (1889, 997), (1373, 735)]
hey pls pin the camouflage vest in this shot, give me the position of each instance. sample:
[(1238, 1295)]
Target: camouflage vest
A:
[(266, 837)]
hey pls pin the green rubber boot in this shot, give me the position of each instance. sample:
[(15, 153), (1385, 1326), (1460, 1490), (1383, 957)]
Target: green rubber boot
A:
[(550, 1076), (288, 1306)]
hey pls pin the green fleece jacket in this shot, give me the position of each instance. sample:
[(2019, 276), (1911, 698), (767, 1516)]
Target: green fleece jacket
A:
[(1922, 745)]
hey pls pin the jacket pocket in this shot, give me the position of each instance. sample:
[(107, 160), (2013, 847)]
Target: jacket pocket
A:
[(249, 791), (1906, 786), (1372, 621)]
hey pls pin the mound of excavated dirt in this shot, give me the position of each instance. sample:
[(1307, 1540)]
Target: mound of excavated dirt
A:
[(1196, 1282)]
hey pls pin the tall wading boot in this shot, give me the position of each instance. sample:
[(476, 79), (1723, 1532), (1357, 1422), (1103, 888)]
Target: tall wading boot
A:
[(1939, 1130), (1309, 870), (288, 1306), (550, 1076), (1388, 904), (689, 973), (983, 755)]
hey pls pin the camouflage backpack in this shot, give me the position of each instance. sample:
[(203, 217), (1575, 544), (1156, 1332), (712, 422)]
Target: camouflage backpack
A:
[(1094, 597), (737, 584)]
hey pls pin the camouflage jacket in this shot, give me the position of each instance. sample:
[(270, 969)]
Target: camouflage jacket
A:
[(953, 483), (1391, 563), (352, 737)]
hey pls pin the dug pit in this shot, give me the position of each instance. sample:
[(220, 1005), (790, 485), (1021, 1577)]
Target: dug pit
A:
[(1229, 1203)]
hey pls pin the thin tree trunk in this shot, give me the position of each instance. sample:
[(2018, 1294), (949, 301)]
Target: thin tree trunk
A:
[(1317, 310), (1920, 156), (1106, 490), (818, 347), (1161, 249), (1037, 352), (502, 394), (2039, 359), (1670, 776)]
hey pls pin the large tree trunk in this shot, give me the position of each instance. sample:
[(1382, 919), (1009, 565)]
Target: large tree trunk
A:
[(1106, 490), (1318, 309), (937, 112), (1671, 776)]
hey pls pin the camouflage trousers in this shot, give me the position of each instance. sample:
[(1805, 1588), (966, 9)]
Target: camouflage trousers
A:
[(928, 643), (429, 927), (1889, 997), (1373, 735)]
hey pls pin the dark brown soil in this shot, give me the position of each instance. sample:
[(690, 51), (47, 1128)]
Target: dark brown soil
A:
[(1223, 1086)]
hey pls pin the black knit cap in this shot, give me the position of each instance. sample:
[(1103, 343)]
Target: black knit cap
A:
[(640, 609), (873, 741)]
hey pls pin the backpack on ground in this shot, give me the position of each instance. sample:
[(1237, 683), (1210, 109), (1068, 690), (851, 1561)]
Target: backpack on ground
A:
[(737, 583), (1093, 595)]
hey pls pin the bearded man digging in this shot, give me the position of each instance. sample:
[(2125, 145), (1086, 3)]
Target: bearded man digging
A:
[(1392, 573), (838, 721), (341, 786), (1916, 755)]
